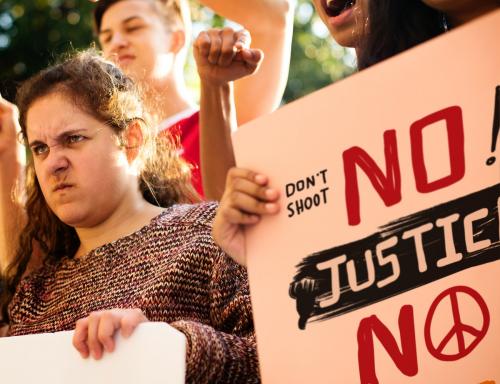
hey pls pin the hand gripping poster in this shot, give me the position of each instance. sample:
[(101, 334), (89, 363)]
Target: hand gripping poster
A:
[(383, 265)]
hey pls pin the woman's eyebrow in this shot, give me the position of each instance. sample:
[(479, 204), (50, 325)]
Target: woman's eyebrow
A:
[(60, 136), (35, 142)]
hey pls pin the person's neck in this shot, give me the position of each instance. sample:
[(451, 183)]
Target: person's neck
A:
[(167, 97), (131, 215), (481, 8)]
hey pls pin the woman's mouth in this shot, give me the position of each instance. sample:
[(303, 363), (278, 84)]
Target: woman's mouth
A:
[(334, 8), (62, 187)]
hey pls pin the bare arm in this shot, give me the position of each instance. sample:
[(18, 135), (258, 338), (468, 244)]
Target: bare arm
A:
[(11, 158), (222, 56), (217, 114), (270, 23), (11, 218)]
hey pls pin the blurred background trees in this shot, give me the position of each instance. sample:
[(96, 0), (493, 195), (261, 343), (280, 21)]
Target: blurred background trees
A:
[(33, 33)]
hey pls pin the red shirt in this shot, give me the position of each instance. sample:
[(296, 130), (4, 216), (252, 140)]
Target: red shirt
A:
[(188, 130)]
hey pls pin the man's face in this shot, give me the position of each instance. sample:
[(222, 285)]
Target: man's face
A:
[(133, 35)]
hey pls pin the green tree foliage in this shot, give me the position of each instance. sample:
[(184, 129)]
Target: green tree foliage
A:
[(317, 60), (33, 33)]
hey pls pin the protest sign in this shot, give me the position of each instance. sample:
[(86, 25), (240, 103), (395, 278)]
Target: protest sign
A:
[(383, 265), (155, 353)]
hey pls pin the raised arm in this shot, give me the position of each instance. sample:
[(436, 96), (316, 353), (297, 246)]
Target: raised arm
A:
[(222, 56), (270, 23), (11, 161)]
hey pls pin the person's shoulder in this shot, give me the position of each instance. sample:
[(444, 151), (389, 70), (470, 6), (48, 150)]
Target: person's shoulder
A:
[(186, 118), (190, 122), (190, 214)]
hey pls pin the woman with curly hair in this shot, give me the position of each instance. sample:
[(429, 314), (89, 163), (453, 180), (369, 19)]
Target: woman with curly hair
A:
[(115, 245)]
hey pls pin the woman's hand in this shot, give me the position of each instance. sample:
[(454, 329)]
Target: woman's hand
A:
[(94, 334), (247, 197), (224, 55)]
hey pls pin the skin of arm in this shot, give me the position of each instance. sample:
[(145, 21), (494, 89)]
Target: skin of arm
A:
[(222, 56), (10, 212), (11, 163), (272, 34), (217, 155)]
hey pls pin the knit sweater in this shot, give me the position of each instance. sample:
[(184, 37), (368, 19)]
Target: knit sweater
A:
[(172, 270)]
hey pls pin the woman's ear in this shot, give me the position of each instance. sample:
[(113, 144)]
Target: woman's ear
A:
[(133, 140), (177, 41)]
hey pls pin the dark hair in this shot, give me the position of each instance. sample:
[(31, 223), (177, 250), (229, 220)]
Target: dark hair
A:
[(395, 26), (100, 89), (175, 13)]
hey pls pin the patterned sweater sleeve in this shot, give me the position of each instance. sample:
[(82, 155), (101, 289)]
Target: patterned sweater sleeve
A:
[(225, 351)]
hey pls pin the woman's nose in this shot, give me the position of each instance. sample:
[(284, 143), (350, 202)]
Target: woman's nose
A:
[(56, 161)]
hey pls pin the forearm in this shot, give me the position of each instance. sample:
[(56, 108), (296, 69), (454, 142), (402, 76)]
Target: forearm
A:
[(217, 357), (261, 93), (270, 23), (217, 120), (252, 12), (4, 330), (222, 350), (11, 214)]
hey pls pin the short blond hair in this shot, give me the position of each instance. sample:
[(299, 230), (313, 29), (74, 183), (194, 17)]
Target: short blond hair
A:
[(175, 14)]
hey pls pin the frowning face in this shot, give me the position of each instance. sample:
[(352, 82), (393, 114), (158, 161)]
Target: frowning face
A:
[(82, 170)]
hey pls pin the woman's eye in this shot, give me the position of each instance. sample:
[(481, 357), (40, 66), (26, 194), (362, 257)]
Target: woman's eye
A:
[(39, 150), (73, 139)]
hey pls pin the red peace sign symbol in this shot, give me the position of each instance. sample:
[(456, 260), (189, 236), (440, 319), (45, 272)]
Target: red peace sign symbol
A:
[(459, 329)]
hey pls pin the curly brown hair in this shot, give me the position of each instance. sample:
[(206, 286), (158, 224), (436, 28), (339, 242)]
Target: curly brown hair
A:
[(100, 89)]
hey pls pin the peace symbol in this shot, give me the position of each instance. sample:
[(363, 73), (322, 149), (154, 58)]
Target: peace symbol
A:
[(459, 329)]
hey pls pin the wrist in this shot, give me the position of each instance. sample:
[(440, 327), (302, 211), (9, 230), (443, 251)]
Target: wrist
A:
[(214, 85)]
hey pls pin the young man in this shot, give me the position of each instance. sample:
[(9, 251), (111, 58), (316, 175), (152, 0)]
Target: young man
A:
[(148, 39)]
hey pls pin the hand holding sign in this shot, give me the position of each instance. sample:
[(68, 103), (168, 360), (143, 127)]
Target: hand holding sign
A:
[(246, 198), (411, 183), (154, 353), (95, 333)]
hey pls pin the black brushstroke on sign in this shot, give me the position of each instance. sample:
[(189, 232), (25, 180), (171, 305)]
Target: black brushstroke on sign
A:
[(406, 253)]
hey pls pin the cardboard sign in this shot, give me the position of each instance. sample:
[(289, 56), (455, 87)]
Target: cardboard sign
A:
[(383, 265), (155, 353)]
